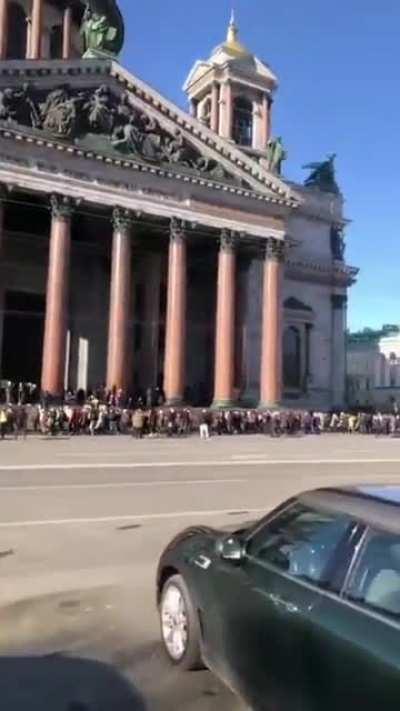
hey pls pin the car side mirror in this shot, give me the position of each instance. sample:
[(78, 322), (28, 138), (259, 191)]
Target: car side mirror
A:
[(231, 549)]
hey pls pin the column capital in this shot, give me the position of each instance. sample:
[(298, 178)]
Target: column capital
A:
[(176, 229), (62, 207), (228, 241), (274, 249), (339, 301), (121, 219)]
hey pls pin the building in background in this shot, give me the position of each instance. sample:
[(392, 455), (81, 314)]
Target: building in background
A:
[(373, 368), (142, 245)]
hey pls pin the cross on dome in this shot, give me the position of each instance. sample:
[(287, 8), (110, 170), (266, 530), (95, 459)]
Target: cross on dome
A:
[(232, 41)]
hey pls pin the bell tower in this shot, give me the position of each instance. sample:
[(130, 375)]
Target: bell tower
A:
[(232, 93)]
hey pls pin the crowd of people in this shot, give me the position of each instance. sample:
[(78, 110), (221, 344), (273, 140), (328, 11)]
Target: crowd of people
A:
[(23, 410), (94, 418)]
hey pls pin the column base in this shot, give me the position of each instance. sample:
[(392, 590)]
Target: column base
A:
[(174, 402), (269, 406), (52, 399), (223, 404)]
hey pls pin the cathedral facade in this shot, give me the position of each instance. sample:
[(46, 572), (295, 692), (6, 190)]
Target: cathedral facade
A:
[(142, 245)]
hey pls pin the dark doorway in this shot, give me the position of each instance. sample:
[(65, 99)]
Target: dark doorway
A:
[(56, 42), (23, 337), (200, 338), (292, 358), (17, 32)]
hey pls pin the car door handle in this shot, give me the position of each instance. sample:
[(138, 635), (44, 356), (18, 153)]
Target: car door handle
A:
[(282, 604)]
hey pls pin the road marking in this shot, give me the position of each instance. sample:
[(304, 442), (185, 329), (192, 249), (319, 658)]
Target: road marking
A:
[(204, 463), (124, 484), (131, 517)]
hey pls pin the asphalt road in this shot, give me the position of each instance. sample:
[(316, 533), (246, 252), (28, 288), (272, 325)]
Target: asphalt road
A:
[(82, 524)]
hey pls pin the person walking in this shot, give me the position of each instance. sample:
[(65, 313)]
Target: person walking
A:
[(204, 425), (138, 423), (21, 422), (352, 423), (3, 423), (171, 422)]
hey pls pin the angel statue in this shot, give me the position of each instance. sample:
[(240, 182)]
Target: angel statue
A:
[(102, 29), (276, 154), (323, 175)]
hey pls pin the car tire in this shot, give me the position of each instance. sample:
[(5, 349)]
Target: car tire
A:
[(180, 628)]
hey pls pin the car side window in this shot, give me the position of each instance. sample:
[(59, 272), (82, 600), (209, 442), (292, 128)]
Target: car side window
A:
[(301, 542), (376, 581)]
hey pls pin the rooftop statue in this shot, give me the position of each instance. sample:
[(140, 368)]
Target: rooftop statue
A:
[(322, 175), (102, 29), (276, 154), (338, 244)]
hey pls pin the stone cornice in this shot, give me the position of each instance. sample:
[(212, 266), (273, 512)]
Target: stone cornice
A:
[(179, 174), (224, 73), (126, 196), (30, 69), (333, 273)]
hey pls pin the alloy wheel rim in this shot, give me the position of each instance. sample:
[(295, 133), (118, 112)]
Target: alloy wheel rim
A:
[(174, 622)]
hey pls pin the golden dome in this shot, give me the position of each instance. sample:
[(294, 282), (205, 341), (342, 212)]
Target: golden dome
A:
[(232, 43)]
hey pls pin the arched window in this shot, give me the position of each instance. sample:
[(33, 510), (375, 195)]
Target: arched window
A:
[(16, 32), (243, 121), (292, 358)]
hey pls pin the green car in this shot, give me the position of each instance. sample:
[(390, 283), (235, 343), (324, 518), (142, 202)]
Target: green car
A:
[(297, 612)]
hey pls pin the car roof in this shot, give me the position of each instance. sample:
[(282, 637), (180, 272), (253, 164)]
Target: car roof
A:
[(377, 505)]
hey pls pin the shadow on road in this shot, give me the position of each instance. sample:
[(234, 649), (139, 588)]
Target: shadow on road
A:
[(62, 683)]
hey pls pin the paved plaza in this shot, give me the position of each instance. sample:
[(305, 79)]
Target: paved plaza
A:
[(82, 524)]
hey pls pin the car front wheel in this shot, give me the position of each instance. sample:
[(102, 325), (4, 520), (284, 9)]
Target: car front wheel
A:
[(180, 628)]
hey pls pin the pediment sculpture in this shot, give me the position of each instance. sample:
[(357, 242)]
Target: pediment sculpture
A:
[(99, 117)]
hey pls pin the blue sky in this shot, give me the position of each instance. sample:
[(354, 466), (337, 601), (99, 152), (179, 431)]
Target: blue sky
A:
[(338, 66)]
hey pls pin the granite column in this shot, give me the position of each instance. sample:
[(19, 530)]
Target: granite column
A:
[(37, 27), (120, 315), (56, 320), (175, 340), (3, 28), (67, 33), (271, 344), (225, 323)]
